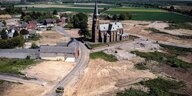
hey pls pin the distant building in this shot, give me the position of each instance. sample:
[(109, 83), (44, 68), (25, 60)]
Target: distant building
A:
[(106, 32)]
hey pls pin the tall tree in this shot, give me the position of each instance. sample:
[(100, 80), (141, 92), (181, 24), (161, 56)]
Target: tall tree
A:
[(24, 32), (55, 12), (15, 33), (4, 34)]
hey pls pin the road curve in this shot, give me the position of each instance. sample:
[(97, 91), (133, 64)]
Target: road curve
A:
[(80, 66)]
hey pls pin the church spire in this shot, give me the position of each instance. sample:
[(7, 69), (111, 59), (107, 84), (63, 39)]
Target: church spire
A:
[(96, 13)]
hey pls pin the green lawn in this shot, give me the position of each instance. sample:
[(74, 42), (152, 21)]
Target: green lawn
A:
[(158, 87), (151, 14), (14, 66), (169, 59), (104, 56)]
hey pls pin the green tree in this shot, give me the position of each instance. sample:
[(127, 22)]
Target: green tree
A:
[(122, 17), (16, 33), (80, 21), (34, 46), (172, 8), (27, 18), (84, 32), (4, 34), (4, 22), (55, 12), (24, 32), (115, 17)]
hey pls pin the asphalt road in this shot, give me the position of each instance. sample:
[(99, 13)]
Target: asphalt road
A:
[(75, 72), (61, 30)]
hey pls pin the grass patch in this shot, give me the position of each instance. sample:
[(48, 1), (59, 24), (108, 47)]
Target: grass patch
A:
[(179, 26), (163, 58), (132, 92), (158, 87), (14, 66), (161, 32), (35, 37), (141, 66), (104, 56), (176, 50)]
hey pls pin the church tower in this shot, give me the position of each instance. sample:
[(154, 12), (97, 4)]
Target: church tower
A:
[(95, 25)]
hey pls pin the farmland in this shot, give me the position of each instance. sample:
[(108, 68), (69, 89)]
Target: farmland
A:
[(151, 14)]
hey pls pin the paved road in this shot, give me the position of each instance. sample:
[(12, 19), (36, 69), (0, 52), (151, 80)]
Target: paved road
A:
[(80, 66), (20, 80), (61, 30), (75, 72)]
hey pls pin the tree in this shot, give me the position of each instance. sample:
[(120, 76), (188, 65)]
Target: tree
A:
[(122, 17), (84, 32), (24, 32), (27, 18), (80, 21), (190, 12), (4, 34), (15, 33), (34, 46), (4, 22), (55, 12), (115, 17), (172, 8)]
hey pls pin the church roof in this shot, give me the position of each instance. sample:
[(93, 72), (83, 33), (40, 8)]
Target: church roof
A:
[(114, 26)]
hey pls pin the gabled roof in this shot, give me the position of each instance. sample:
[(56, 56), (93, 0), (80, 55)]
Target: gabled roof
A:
[(57, 49), (111, 26)]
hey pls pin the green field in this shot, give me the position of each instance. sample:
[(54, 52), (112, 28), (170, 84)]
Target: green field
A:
[(85, 10), (104, 56), (151, 14), (129, 9)]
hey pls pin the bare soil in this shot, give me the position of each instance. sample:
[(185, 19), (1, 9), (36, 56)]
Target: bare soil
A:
[(102, 77), (51, 38), (50, 71)]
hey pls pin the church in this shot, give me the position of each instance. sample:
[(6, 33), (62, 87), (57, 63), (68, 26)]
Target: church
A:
[(110, 32)]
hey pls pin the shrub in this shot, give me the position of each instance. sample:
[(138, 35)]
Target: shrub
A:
[(104, 56)]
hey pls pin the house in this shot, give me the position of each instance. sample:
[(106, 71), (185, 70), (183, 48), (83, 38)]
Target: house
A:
[(110, 32), (32, 25), (49, 21), (23, 25), (60, 53), (10, 33)]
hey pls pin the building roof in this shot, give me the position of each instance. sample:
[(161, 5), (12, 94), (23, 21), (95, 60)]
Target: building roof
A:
[(111, 26), (57, 49)]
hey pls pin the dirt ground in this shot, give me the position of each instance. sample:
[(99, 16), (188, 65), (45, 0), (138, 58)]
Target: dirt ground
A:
[(73, 32), (51, 38), (102, 77), (25, 90), (50, 71), (46, 69)]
